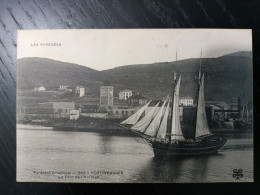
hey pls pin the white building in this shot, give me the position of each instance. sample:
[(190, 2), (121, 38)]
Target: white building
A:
[(74, 114), (39, 88), (80, 90), (186, 101), (64, 88), (125, 94)]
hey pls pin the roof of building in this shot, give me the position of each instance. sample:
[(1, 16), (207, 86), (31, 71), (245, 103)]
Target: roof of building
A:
[(186, 97), (106, 86), (79, 86), (214, 106), (137, 96), (223, 105), (125, 90), (88, 100), (118, 102)]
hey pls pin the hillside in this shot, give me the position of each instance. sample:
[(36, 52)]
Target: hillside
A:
[(225, 77), (241, 53), (35, 72)]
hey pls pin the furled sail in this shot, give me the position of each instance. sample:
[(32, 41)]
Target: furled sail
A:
[(145, 121), (136, 116), (202, 127), (163, 126), (155, 124), (176, 124)]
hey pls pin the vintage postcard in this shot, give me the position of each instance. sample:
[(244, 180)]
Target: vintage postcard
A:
[(135, 106)]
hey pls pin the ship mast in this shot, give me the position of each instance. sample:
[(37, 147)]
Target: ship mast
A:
[(171, 110), (198, 89), (200, 66)]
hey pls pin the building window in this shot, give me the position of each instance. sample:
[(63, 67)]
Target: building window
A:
[(116, 112), (123, 112)]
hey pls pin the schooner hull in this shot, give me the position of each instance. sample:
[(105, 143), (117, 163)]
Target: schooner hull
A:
[(176, 150)]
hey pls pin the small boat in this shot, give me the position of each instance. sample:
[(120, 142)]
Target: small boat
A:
[(161, 126)]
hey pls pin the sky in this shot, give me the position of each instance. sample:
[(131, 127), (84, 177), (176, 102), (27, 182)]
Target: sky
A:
[(103, 49)]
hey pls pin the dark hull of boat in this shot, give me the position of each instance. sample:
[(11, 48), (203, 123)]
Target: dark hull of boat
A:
[(186, 149)]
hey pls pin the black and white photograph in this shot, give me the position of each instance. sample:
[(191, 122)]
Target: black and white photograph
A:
[(134, 106)]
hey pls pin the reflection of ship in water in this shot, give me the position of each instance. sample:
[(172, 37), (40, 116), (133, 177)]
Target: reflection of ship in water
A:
[(161, 127), (175, 169)]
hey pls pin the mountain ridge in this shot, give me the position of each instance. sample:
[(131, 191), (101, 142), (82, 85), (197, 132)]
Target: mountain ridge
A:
[(225, 76)]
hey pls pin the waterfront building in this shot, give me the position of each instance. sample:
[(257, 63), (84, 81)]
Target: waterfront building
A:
[(62, 109), (74, 114), (87, 108), (88, 104), (123, 112), (47, 110)]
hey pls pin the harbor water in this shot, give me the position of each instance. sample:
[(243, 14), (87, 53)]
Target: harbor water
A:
[(46, 155)]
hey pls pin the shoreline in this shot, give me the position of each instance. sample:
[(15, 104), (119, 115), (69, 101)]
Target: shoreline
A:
[(114, 129), (104, 131)]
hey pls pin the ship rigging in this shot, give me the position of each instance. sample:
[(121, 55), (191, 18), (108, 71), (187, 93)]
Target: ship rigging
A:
[(161, 126)]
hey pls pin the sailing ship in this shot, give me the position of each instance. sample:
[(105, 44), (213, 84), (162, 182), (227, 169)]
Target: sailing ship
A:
[(161, 126)]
